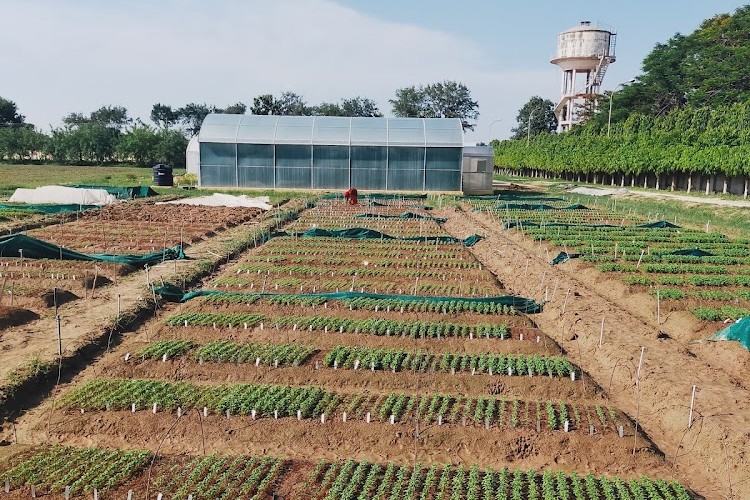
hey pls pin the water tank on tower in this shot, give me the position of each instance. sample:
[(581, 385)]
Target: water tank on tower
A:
[(583, 53)]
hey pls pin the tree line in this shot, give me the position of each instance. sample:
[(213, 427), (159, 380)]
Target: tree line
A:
[(110, 135), (689, 111), (691, 140)]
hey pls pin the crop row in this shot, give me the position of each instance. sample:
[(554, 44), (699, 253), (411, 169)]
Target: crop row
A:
[(658, 258), (350, 480), (699, 280), (225, 351), (665, 268), (310, 402), (386, 270), (723, 295), (405, 304), (399, 360), (383, 327), (81, 470), (254, 260), (348, 285), (227, 320), (221, 477)]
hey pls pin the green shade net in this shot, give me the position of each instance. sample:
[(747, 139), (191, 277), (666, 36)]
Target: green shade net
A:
[(541, 206), (652, 225), (173, 293), (382, 196), (514, 196), (658, 224), (122, 192), (48, 209), (362, 233), (405, 215), (10, 246), (564, 257), (739, 331), (693, 252)]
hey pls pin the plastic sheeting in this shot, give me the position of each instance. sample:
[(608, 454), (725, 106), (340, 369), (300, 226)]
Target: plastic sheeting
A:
[(173, 293), (597, 192), (122, 192), (63, 195), (17, 244), (739, 331), (360, 233), (224, 200)]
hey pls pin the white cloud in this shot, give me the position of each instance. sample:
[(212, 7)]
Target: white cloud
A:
[(66, 58)]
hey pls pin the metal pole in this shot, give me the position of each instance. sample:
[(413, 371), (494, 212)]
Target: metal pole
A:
[(59, 335)]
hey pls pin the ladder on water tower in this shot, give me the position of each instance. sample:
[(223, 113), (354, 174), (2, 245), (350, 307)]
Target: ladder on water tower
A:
[(601, 69)]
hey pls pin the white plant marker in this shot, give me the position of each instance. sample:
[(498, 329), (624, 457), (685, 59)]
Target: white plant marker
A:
[(368, 417), (343, 417), (132, 407), (692, 405), (154, 409)]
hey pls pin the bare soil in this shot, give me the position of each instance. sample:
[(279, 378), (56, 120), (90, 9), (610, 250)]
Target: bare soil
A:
[(711, 456)]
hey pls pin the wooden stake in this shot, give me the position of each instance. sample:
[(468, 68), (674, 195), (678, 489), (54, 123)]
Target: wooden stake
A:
[(692, 405), (601, 332)]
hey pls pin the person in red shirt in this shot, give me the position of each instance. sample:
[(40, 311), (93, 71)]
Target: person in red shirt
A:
[(351, 196)]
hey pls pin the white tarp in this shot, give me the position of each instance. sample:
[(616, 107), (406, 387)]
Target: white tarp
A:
[(597, 191), (224, 200), (62, 195)]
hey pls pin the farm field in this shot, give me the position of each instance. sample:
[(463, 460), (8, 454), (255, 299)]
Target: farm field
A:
[(701, 271), (322, 367), (140, 227)]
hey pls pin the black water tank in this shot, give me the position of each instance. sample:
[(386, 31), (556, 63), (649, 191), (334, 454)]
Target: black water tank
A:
[(163, 175)]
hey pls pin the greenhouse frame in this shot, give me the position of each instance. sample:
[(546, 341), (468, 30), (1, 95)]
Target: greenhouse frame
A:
[(326, 152)]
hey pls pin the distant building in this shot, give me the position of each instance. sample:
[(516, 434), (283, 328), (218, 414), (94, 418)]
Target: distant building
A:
[(324, 152), (583, 53)]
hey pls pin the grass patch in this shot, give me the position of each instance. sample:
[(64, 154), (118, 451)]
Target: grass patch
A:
[(31, 176)]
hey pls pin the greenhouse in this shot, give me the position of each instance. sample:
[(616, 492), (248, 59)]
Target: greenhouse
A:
[(324, 152)]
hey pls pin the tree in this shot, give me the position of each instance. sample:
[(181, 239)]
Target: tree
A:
[(446, 99), (355, 106), (112, 117), (263, 105), (359, 106), (164, 116), (410, 102), (543, 120), (139, 145), (192, 115), (9, 113), (288, 103), (234, 109)]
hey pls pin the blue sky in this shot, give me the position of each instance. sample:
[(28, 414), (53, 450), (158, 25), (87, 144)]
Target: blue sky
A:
[(60, 57)]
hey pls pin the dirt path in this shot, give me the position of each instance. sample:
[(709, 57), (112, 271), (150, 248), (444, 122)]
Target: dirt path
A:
[(712, 456), (692, 199)]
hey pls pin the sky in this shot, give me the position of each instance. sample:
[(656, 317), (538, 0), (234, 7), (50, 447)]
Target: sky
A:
[(63, 56)]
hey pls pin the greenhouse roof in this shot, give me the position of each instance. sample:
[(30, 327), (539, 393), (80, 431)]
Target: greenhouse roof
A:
[(332, 130)]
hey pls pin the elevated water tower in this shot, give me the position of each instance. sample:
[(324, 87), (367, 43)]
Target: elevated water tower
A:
[(583, 53)]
